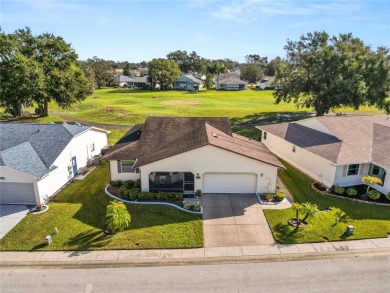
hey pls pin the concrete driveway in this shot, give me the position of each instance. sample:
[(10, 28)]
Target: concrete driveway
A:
[(10, 215), (234, 220)]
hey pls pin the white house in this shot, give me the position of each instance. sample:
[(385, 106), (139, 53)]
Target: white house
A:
[(335, 149), (187, 154), (230, 82), (188, 82), (36, 160), (267, 82)]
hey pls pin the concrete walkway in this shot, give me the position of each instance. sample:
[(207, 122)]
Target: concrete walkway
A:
[(232, 254)]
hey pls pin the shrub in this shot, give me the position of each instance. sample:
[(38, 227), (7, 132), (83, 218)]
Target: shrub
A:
[(170, 195), (196, 208), (280, 195), (198, 192), (338, 189), (137, 183), (129, 184), (116, 183), (269, 196), (187, 206), (162, 196), (178, 196), (121, 190), (118, 218), (133, 194), (351, 191), (374, 194), (143, 195)]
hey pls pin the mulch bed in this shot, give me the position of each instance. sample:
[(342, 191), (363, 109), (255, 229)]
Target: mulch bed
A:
[(297, 224)]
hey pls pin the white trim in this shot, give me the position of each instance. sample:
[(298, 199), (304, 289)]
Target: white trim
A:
[(152, 202)]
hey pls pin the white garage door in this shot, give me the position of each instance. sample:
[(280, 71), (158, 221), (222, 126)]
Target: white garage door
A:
[(17, 193), (229, 183)]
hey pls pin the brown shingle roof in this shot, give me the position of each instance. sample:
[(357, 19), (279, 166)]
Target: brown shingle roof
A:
[(350, 139), (163, 137)]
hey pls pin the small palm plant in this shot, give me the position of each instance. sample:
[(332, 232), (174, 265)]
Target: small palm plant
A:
[(308, 209), (370, 180), (118, 218)]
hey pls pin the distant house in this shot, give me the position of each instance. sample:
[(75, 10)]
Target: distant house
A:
[(186, 154), (229, 82), (36, 160), (267, 82), (335, 149), (118, 71), (127, 81), (188, 82)]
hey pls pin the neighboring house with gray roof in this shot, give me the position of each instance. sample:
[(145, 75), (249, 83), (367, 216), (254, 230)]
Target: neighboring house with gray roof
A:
[(230, 82), (127, 81), (335, 149), (36, 160), (267, 82), (186, 154), (188, 82)]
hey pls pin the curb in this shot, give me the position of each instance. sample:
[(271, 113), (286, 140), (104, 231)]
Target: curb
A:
[(199, 261)]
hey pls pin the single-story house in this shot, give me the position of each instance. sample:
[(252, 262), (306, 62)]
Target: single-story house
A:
[(127, 81), (36, 160), (188, 154), (122, 80), (188, 82), (335, 149), (267, 82), (230, 82)]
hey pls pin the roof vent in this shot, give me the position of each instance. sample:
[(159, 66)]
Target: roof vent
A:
[(78, 124), (215, 135)]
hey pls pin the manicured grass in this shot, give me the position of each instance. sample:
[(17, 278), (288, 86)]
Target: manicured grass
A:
[(79, 214), (369, 221), (124, 106), (115, 135)]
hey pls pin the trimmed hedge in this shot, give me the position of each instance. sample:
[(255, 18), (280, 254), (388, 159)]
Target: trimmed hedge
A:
[(133, 193)]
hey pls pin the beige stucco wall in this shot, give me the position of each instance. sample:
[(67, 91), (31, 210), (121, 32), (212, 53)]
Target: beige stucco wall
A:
[(316, 167), (121, 176), (210, 159)]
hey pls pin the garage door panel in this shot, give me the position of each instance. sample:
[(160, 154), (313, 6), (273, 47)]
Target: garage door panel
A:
[(229, 183), (17, 193)]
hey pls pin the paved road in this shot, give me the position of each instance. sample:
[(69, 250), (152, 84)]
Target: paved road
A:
[(362, 274)]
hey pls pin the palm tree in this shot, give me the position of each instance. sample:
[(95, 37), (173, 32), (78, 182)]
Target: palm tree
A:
[(217, 68), (370, 180), (118, 218), (297, 207), (310, 209)]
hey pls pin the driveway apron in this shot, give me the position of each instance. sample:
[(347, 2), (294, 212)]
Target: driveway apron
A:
[(10, 215), (234, 220)]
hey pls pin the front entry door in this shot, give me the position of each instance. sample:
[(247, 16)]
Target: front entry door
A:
[(74, 166)]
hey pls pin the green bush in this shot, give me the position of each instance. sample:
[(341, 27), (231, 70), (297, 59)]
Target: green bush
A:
[(162, 196), (351, 191), (187, 206), (121, 190), (116, 183), (196, 208), (269, 196), (137, 183), (388, 196), (280, 195), (133, 194), (129, 184), (374, 194), (198, 192), (170, 195), (338, 189), (178, 196)]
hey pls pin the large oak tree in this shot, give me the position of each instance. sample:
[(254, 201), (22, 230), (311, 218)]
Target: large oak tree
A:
[(326, 73), (163, 72)]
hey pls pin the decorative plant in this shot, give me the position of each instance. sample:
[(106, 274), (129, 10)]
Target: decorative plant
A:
[(297, 207), (388, 196), (269, 196), (338, 189), (118, 218), (370, 180), (280, 195), (198, 193), (351, 191), (196, 208), (187, 206), (310, 209), (374, 194)]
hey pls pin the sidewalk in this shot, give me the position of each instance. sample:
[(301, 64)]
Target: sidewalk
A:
[(231, 254)]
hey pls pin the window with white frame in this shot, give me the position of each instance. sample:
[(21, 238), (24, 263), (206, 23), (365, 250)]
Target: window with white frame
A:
[(353, 169), (127, 166)]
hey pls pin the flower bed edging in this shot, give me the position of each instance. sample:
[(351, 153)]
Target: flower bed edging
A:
[(152, 202), (30, 212), (269, 203), (347, 198)]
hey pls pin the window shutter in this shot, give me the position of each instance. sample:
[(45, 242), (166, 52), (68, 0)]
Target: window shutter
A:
[(345, 169), (119, 166), (361, 169)]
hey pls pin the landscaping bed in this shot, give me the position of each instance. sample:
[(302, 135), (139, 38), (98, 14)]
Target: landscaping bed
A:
[(360, 195)]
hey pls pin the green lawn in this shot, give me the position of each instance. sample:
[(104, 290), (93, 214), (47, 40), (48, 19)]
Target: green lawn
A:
[(369, 221), (124, 106), (79, 214)]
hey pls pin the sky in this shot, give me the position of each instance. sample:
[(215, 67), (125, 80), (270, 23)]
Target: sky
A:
[(131, 30)]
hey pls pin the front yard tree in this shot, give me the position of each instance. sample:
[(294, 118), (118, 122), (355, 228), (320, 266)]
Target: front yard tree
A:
[(127, 70), (163, 72), (326, 73), (104, 74), (370, 180), (118, 218)]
